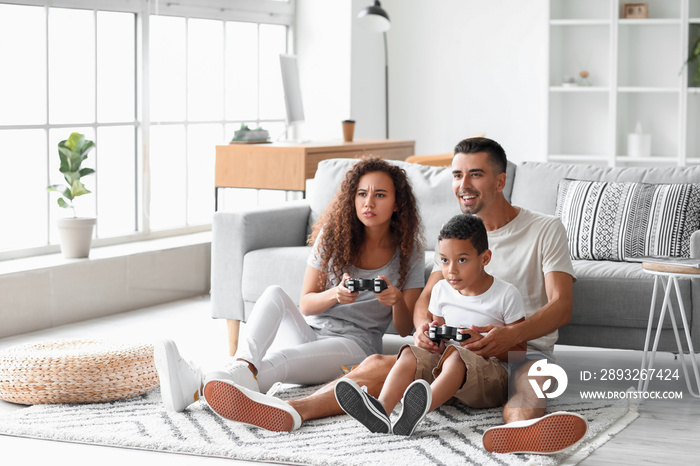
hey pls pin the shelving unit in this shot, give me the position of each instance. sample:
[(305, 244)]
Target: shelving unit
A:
[(635, 75)]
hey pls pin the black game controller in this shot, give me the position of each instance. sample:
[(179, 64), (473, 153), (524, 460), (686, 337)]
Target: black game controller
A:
[(365, 284), (444, 332)]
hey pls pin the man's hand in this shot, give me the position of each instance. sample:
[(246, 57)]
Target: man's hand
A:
[(498, 340), (421, 340), (474, 336)]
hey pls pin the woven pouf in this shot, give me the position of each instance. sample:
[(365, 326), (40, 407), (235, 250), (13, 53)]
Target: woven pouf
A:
[(76, 371)]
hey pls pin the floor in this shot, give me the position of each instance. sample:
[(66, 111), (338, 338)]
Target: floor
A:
[(665, 433)]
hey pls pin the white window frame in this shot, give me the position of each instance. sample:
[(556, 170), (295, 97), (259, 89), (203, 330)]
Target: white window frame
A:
[(255, 11)]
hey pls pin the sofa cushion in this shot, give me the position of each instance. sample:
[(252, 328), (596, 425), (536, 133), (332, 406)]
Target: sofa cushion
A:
[(535, 185), (617, 221), (283, 266), (618, 294)]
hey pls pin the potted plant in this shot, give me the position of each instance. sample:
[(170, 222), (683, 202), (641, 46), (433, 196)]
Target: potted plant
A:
[(694, 55), (75, 232)]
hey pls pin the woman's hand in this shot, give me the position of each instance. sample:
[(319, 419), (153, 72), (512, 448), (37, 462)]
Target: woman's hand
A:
[(391, 295), (342, 294)]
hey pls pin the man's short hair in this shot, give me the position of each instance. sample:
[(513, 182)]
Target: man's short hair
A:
[(466, 226), (475, 145)]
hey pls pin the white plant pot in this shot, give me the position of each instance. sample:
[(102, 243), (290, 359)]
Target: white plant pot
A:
[(76, 236)]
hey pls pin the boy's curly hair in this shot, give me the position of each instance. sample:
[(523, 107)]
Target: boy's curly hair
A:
[(466, 226), (344, 234)]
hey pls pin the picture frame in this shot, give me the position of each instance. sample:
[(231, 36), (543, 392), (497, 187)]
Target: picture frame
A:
[(635, 10)]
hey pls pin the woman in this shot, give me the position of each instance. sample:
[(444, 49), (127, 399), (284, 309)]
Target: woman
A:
[(371, 230)]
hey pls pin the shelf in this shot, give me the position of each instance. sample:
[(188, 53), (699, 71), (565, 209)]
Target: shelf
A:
[(649, 90), (649, 22), (579, 89), (647, 160), (569, 158), (633, 66), (580, 22)]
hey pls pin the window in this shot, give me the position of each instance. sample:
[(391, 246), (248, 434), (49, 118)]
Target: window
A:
[(208, 68), (207, 77)]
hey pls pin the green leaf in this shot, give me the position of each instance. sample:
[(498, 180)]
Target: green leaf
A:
[(56, 188), (78, 189), (693, 55), (64, 154), (71, 177), (74, 141), (72, 152), (85, 148)]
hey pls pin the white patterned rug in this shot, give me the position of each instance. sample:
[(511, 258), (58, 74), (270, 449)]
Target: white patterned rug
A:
[(450, 435)]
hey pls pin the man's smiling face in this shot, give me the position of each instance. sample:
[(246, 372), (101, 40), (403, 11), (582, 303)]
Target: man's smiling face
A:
[(475, 182)]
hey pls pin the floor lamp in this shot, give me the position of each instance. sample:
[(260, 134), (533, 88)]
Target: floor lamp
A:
[(376, 19)]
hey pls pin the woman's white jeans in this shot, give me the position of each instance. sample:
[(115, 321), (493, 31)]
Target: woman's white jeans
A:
[(307, 359)]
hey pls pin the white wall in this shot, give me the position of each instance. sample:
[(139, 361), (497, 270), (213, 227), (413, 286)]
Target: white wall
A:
[(456, 67), (323, 41)]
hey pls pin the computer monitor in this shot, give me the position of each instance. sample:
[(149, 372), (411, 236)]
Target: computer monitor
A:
[(292, 90)]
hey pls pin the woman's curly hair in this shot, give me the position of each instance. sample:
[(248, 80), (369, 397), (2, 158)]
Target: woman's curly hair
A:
[(344, 233)]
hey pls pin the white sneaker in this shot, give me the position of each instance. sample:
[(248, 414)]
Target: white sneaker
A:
[(547, 435), (237, 403), (238, 373), (180, 382)]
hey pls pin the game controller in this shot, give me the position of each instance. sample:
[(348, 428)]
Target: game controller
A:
[(445, 332), (365, 284)]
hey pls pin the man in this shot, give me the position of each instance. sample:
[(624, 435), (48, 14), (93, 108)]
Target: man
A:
[(530, 251)]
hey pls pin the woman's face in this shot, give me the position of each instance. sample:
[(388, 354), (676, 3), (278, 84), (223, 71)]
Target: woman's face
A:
[(375, 199)]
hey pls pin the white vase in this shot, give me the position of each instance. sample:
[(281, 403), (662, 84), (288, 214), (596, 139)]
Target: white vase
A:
[(76, 236)]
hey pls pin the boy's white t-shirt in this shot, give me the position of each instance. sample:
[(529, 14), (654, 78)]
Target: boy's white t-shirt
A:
[(501, 304), (525, 250)]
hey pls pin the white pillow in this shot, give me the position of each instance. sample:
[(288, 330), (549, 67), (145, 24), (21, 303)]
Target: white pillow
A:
[(617, 221)]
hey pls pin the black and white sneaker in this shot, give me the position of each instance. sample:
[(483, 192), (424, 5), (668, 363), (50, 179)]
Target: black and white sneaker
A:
[(415, 405), (362, 406)]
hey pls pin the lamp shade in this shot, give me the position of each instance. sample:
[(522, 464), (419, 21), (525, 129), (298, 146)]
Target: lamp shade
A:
[(375, 17)]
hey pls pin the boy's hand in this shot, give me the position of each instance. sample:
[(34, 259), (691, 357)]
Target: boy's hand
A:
[(421, 340), (391, 295)]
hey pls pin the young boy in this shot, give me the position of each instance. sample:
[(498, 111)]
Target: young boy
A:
[(467, 296)]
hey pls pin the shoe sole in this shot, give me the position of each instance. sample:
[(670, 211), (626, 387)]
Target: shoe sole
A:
[(357, 406), (234, 404), (552, 434), (165, 372), (416, 404)]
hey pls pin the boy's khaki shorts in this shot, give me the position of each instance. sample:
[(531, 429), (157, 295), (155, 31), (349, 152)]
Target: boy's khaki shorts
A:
[(486, 384)]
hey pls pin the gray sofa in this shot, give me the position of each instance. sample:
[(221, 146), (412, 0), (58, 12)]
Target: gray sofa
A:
[(252, 249)]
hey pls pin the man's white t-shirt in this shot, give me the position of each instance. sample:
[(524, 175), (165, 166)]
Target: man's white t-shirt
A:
[(525, 250), (501, 304)]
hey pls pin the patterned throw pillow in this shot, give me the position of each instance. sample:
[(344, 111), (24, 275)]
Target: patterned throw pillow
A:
[(617, 221)]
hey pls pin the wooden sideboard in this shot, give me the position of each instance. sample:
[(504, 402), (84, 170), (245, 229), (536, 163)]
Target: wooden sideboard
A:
[(287, 165)]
